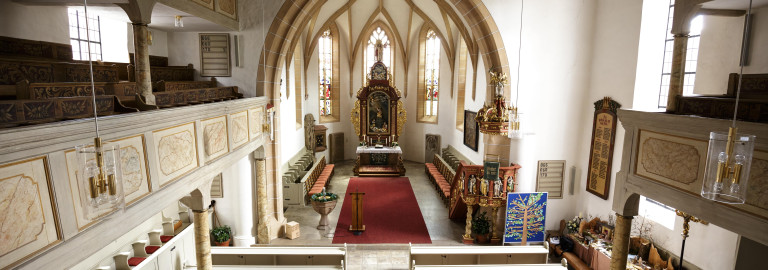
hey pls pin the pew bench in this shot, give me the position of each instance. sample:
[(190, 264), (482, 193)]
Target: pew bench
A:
[(332, 257), (319, 178), (470, 255), (442, 176), (493, 266)]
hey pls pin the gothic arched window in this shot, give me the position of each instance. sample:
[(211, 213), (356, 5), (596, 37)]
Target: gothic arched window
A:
[(378, 35), (431, 73), (325, 70)]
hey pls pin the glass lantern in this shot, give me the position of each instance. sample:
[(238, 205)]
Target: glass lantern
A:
[(100, 179), (729, 158)]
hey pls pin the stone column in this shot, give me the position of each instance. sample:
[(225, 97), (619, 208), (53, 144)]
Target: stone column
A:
[(202, 240), (677, 73), (141, 61), (621, 242), (244, 219), (262, 237)]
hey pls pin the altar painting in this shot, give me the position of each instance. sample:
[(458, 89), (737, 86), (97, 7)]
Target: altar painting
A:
[(378, 113)]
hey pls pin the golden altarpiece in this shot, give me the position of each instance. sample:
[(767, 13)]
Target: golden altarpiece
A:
[(378, 117)]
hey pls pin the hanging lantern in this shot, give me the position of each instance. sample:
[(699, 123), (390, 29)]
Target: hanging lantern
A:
[(100, 178), (729, 158)]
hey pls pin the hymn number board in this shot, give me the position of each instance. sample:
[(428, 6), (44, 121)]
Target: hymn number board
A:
[(549, 178), (601, 152)]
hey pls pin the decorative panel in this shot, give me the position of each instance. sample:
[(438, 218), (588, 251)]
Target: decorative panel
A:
[(431, 147), (27, 212), (206, 3), (238, 128), (214, 55), (672, 160), (757, 192), (215, 141), (227, 7), (255, 122), (133, 164), (175, 151)]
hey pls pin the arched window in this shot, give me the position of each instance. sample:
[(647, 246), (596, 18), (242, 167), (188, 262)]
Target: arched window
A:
[(325, 70), (431, 73), (378, 34)]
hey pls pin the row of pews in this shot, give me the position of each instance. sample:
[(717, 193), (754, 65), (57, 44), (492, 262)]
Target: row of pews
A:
[(40, 83), (441, 174), (421, 257)]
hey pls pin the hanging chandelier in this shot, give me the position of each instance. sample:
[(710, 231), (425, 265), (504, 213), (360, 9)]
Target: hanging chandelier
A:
[(98, 165), (729, 156)]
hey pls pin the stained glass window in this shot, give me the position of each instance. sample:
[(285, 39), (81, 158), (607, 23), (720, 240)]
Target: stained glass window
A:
[(378, 34), (325, 54), (431, 72)]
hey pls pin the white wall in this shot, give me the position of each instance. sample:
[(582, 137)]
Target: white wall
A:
[(114, 40), (720, 50), (48, 23)]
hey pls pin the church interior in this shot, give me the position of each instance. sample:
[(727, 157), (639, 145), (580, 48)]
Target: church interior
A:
[(373, 134)]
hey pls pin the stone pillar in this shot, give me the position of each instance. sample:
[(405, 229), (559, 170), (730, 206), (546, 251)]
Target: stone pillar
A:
[(262, 236), (621, 242), (202, 240), (141, 61), (677, 73), (244, 219)]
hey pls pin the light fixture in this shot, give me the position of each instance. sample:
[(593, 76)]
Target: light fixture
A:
[(729, 157), (99, 175), (514, 118), (178, 22)]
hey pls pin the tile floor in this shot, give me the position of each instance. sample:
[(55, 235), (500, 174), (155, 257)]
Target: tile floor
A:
[(442, 230)]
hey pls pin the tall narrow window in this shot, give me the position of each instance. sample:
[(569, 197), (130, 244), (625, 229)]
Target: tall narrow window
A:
[(431, 73), (691, 57), (78, 35), (325, 51), (377, 35)]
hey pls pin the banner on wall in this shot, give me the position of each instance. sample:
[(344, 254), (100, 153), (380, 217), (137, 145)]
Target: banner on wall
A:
[(525, 217)]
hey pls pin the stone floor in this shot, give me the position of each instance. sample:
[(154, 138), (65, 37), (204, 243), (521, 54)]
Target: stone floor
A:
[(442, 230)]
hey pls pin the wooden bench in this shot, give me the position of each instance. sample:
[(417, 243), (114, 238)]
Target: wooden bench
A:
[(295, 257), (475, 255), (441, 174), (453, 157), (319, 177), (562, 266), (164, 86)]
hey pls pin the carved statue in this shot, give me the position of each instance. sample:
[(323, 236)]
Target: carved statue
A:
[(510, 184), (484, 187), (378, 51), (497, 185), (471, 185)]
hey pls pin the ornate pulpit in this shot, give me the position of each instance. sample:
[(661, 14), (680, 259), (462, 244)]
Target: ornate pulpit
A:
[(378, 117)]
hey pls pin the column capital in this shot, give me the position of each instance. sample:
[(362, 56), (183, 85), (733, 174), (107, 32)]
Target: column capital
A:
[(139, 11)]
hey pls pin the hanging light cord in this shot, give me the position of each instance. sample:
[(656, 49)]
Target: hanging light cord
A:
[(741, 63), (519, 49), (90, 65)]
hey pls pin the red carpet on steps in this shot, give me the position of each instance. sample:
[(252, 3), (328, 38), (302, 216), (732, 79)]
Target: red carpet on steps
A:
[(390, 213)]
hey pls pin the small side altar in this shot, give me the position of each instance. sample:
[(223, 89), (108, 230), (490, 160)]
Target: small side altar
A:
[(378, 117), (384, 161)]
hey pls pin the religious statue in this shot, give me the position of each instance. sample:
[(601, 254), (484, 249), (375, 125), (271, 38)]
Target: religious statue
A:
[(471, 185), (484, 187), (497, 185), (510, 184), (378, 51)]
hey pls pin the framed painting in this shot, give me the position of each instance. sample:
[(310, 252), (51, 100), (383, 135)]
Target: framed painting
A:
[(133, 164), (471, 130), (215, 142), (238, 129), (525, 217), (378, 113), (601, 151), (28, 216), (175, 152)]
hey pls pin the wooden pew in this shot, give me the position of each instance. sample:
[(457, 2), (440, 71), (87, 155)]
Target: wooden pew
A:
[(28, 111), (474, 255), (319, 177), (562, 266), (163, 86), (441, 174), (285, 256)]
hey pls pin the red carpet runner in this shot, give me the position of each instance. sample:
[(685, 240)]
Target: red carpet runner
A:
[(390, 213)]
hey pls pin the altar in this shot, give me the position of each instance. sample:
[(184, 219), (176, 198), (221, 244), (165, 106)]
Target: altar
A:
[(384, 161), (378, 118)]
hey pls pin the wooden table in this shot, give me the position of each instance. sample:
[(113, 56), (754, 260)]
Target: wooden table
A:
[(385, 161)]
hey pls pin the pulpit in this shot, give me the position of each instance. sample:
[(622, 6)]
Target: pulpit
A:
[(378, 118)]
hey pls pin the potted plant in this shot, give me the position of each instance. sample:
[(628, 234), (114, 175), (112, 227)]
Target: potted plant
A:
[(323, 203), (481, 226), (222, 235)]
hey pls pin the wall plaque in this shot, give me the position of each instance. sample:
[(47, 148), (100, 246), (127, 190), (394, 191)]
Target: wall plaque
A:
[(601, 151), (549, 178)]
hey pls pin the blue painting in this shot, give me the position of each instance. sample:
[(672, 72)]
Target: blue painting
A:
[(525, 216)]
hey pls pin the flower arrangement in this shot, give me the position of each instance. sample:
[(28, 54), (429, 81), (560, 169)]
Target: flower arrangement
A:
[(324, 197), (573, 225)]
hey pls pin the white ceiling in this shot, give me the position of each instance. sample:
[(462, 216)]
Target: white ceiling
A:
[(734, 4), (162, 19)]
